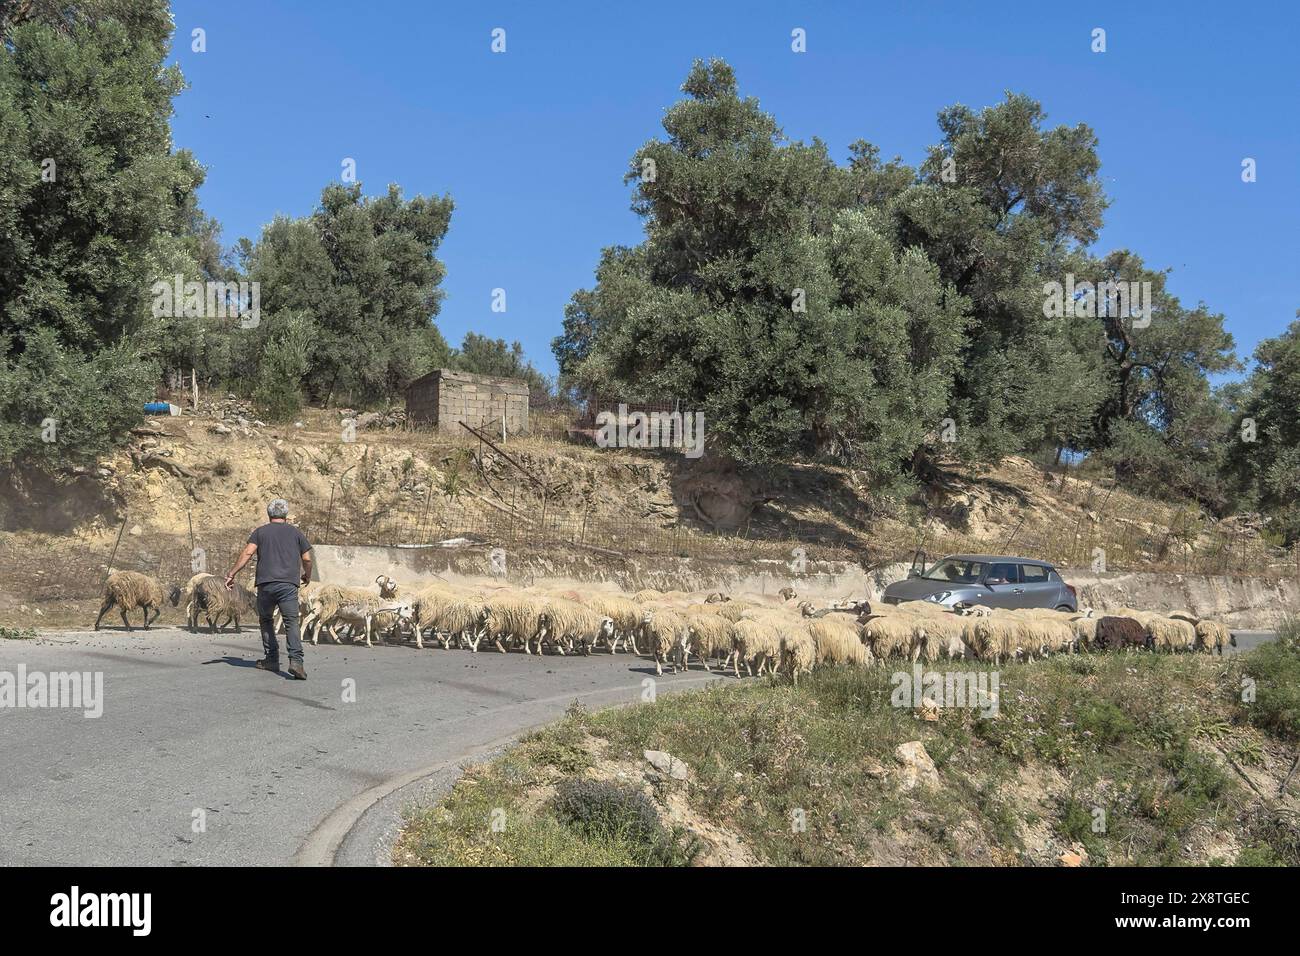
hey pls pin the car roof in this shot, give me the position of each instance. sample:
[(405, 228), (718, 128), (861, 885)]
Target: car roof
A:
[(997, 559)]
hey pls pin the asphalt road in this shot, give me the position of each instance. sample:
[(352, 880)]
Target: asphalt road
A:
[(283, 771)]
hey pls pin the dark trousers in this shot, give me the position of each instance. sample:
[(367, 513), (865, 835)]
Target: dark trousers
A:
[(283, 595)]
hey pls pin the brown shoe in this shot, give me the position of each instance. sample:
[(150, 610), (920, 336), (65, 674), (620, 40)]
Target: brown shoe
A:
[(296, 672), (266, 664)]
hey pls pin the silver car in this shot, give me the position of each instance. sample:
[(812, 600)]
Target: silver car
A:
[(994, 580)]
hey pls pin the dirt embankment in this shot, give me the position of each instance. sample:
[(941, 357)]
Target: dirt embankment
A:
[(567, 510)]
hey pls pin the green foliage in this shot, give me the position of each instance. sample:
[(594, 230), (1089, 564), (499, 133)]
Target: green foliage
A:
[(487, 356), (792, 320), (88, 205), (602, 809), (1275, 669), (283, 365), (925, 294), (364, 271), (1269, 466)]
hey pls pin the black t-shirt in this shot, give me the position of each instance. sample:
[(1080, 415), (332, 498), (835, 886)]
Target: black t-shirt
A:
[(280, 547)]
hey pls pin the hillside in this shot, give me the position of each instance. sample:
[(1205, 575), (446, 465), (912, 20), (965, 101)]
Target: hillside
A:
[(210, 476)]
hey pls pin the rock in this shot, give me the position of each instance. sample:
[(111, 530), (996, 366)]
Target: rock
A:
[(369, 420), (918, 768), (135, 530), (1070, 859), (928, 710), (873, 769), (666, 763), (219, 429)]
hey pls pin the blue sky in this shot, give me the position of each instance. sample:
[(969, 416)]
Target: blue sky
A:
[(532, 144)]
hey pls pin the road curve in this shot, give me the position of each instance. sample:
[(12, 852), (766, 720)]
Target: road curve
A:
[(199, 759)]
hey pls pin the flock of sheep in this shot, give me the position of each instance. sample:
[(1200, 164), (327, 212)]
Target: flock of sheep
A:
[(791, 637)]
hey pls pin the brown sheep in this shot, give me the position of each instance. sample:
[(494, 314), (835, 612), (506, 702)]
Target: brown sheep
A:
[(128, 590)]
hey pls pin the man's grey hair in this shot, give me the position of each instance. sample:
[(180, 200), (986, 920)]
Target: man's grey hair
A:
[(279, 508)]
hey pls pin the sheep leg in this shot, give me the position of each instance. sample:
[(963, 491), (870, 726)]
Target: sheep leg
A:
[(122, 611), (157, 612), (107, 606)]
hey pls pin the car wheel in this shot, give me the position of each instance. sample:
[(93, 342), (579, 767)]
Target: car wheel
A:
[(1066, 608)]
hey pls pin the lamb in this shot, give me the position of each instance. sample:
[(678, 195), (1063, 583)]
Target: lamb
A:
[(511, 616), (837, 642), (707, 635), (212, 598), (665, 630), (755, 640), (1085, 631), (1213, 634), (128, 590), (975, 610), (1116, 631), (564, 621)]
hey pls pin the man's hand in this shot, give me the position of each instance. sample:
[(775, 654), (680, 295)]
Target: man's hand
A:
[(306, 579), (230, 582)]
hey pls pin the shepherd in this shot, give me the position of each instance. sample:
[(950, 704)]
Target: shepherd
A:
[(283, 564)]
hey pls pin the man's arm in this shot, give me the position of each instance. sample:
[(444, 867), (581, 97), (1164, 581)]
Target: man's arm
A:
[(306, 566), (245, 556)]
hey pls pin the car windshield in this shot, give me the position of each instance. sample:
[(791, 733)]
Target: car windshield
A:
[(958, 572)]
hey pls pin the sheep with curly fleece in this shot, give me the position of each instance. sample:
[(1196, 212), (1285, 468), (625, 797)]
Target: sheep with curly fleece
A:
[(459, 619), (837, 643), (129, 590), (708, 635), (1171, 635), (221, 606), (1214, 636), (511, 616), (1120, 631), (665, 631), (889, 635), (191, 611), (426, 605), (939, 636), (798, 653), (755, 641), (566, 623)]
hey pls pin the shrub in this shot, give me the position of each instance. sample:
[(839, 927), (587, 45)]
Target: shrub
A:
[(605, 810)]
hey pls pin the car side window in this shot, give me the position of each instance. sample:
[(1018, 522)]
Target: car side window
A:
[(1002, 574), (1033, 574)]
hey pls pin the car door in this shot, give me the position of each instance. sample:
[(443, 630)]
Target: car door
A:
[(1002, 584), (1039, 590)]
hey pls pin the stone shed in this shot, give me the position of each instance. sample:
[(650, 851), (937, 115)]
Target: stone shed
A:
[(445, 398)]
